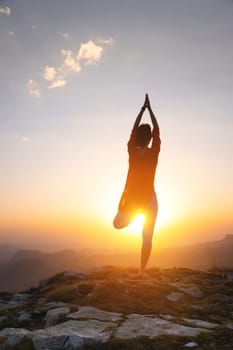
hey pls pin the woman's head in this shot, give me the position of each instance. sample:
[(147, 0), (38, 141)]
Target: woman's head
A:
[(143, 136)]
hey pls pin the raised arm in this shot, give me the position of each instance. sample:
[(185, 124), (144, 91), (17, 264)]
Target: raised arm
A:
[(152, 116), (135, 126), (139, 117), (155, 133)]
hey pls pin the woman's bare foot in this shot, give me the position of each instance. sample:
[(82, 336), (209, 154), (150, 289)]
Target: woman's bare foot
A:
[(143, 275)]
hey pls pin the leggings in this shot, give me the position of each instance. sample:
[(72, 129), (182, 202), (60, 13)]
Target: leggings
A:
[(123, 219)]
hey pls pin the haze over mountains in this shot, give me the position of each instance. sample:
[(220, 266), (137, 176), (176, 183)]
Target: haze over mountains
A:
[(25, 268)]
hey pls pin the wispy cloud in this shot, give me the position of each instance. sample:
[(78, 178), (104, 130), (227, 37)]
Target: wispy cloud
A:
[(5, 10), (33, 88), (49, 73), (72, 62), (57, 83), (90, 53), (10, 33), (105, 41), (64, 35), (34, 27)]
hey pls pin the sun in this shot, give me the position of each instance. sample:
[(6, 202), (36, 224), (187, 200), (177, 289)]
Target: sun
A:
[(137, 224)]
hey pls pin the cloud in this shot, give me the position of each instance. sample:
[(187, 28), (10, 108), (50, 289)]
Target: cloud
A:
[(90, 53), (10, 33), (57, 83), (70, 61), (49, 73), (105, 41), (64, 35), (24, 139), (33, 88), (34, 27), (5, 10)]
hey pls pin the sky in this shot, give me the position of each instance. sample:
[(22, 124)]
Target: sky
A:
[(73, 78)]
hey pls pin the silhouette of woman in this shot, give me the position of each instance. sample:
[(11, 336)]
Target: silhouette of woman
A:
[(139, 195)]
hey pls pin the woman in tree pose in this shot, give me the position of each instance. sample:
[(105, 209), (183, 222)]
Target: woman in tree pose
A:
[(139, 195)]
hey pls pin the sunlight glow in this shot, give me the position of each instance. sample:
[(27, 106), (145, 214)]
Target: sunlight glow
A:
[(135, 227)]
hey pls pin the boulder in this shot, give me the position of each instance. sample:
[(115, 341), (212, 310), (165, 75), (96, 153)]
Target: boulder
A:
[(174, 296), (54, 316), (193, 291), (139, 325), (24, 317), (200, 323), (12, 337), (72, 335), (23, 298), (90, 312)]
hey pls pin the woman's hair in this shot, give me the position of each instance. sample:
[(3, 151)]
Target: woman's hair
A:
[(143, 136)]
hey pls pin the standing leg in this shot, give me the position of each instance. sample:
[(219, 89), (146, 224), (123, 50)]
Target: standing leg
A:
[(147, 234)]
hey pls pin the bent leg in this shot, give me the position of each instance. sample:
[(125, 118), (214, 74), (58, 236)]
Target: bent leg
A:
[(122, 220), (147, 233)]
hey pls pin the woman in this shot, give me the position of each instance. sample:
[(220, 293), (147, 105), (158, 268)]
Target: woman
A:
[(139, 195)]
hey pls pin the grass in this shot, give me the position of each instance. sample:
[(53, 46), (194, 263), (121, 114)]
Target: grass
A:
[(112, 289), (220, 339), (142, 343), (63, 292)]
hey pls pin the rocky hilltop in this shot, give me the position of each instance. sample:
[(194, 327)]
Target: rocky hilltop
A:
[(110, 308)]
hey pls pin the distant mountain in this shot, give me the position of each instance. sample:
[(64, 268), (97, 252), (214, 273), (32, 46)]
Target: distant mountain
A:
[(25, 273), (216, 254), (7, 251), (27, 267), (203, 256)]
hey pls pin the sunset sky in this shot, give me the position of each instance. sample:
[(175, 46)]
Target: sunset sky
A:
[(73, 78)]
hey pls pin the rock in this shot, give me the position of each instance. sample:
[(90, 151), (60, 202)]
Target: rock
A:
[(55, 305), (194, 292), (89, 312), (72, 334), (41, 301), (200, 323), (7, 306), (139, 325), (230, 276), (191, 344), (24, 317), (41, 311), (229, 325), (53, 316), (167, 317), (23, 298), (174, 296), (10, 337), (3, 320)]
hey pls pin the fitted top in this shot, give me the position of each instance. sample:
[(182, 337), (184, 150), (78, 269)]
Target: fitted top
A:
[(139, 185)]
